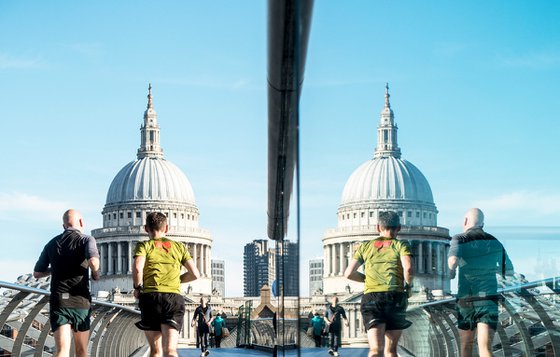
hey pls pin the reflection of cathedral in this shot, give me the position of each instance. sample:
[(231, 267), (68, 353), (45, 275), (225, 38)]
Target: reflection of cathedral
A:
[(149, 183), (383, 183)]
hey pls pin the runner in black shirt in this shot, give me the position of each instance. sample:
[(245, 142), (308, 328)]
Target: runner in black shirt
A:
[(69, 255), (334, 314), (203, 319)]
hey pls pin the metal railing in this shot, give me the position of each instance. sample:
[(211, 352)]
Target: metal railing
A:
[(528, 323), (25, 328)]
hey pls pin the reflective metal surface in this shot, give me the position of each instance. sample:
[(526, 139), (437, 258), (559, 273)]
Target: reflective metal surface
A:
[(24, 322)]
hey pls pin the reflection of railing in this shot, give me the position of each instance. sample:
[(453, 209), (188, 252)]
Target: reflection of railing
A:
[(244, 325), (26, 330), (529, 323)]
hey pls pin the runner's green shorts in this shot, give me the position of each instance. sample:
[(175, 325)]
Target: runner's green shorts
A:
[(79, 319)]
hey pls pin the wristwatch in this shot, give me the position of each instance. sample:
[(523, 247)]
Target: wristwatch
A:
[(139, 287)]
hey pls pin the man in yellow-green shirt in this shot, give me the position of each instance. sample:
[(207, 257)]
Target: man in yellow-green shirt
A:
[(157, 279), (387, 282)]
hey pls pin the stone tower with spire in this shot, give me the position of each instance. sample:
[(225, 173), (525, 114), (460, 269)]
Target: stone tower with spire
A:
[(387, 144), (150, 140)]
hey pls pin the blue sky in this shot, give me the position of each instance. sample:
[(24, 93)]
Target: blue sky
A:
[(474, 88)]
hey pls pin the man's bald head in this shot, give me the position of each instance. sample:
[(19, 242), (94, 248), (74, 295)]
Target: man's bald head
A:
[(73, 219), (473, 218)]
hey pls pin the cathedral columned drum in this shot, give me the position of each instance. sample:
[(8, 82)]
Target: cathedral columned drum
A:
[(387, 182), (148, 184)]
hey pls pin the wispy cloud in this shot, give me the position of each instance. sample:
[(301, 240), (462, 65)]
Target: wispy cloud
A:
[(533, 208), (522, 208), (8, 61), (534, 60), (19, 206)]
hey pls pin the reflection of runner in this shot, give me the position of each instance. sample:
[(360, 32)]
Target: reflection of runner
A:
[(479, 257), (388, 278), (156, 275), (69, 255), (317, 325), (203, 318), (334, 314)]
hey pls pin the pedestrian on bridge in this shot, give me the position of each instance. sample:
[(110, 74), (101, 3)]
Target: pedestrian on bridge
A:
[(219, 327), (67, 258), (334, 313), (387, 282), (203, 319), (156, 275), (317, 326), (479, 257)]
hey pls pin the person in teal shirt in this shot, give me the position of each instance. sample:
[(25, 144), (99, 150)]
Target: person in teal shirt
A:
[(318, 325), (219, 324)]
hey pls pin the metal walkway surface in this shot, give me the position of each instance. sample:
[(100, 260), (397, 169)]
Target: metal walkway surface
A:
[(307, 352)]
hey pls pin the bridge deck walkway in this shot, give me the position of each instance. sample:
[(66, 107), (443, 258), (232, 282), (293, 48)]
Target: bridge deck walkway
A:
[(307, 352)]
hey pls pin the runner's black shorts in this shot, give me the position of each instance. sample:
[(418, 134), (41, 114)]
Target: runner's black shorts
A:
[(161, 308), (387, 308)]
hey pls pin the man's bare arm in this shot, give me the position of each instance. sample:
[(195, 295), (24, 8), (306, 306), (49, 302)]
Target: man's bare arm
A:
[(138, 270), (94, 266), (452, 263), (406, 261), (352, 273), (192, 272)]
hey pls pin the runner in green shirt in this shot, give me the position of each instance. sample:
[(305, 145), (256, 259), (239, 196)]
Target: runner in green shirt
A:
[(157, 279), (387, 282)]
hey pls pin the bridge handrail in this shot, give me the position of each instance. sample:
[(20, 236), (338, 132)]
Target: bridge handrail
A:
[(27, 289), (112, 326), (522, 305)]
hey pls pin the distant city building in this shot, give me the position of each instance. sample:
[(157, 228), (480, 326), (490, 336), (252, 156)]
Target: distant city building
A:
[(260, 267), (218, 277), (387, 182), (315, 276), (255, 267), (149, 183), (290, 275)]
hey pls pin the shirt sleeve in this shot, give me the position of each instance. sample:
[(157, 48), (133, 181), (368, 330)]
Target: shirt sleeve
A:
[(328, 313), (454, 247), (505, 264), (343, 313), (42, 264), (140, 249), (359, 255), (91, 248), (404, 249)]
